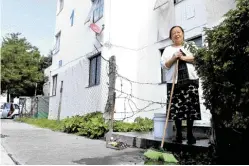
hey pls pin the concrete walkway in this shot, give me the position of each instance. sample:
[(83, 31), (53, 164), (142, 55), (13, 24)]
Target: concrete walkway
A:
[(29, 145), (5, 158)]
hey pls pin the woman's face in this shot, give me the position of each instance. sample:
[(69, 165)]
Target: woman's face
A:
[(177, 36)]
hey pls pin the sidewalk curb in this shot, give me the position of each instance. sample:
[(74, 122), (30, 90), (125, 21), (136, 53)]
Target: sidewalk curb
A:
[(6, 159)]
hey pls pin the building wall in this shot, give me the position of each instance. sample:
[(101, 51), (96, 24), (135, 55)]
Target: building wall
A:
[(131, 34), (3, 98), (76, 46), (192, 15), (216, 10)]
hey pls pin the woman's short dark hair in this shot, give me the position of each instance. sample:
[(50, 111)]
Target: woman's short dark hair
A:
[(173, 28)]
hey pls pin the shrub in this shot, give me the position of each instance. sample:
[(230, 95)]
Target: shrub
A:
[(143, 124), (72, 124), (139, 125), (223, 67), (93, 126)]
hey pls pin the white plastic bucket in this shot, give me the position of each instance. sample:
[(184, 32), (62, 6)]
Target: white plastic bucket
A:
[(159, 122)]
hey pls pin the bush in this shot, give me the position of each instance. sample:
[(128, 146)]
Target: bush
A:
[(139, 125), (223, 67), (93, 126), (120, 126), (72, 124), (143, 125)]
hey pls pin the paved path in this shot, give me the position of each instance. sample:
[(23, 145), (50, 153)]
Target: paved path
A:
[(5, 158), (29, 145)]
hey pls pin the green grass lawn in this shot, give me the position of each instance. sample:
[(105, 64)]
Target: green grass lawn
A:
[(43, 123)]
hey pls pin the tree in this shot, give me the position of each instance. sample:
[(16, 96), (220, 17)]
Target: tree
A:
[(20, 62), (45, 62), (224, 66)]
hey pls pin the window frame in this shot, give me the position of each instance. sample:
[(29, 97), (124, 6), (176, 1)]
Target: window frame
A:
[(177, 1), (97, 70), (194, 38), (99, 5), (54, 88), (57, 42), (163, 76), (61, 6)]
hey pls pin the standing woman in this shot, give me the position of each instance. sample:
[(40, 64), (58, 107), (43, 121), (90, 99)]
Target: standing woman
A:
[(185, 101)]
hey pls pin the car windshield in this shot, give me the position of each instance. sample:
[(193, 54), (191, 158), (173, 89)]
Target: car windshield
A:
[(7, 105)]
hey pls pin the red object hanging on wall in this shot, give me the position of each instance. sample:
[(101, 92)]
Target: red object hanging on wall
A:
[(95, 28)]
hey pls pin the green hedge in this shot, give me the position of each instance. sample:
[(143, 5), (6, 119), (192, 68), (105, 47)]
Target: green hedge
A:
[(223, 66), (91, 125)]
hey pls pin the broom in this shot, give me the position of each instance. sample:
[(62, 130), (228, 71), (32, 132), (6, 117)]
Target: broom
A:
[(154, 154)]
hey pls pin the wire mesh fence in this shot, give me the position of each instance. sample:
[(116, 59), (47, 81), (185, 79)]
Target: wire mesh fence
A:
[(35, 107), (130, 102)]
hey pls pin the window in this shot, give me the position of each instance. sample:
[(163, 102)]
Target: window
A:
[(54, 85), (72, 18), (57, 44), (197, 40), (160, 3), (177, 1), (98, 11), (61, 5), (163, 71), (94, 72)]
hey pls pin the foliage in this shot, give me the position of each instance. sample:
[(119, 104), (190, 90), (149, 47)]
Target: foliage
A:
[(223, 66), (194, 158), (46, 61), (21, 66), (120, 126), (93, 126), (143, 124), (139, 125), (72, 124)]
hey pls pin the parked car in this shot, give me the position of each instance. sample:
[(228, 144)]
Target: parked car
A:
[(9, 110)]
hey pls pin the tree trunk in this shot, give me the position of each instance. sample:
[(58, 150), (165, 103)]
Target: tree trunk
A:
[(8, 96)]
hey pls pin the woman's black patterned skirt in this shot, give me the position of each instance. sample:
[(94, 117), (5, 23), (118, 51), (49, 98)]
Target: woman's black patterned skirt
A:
[(185, 101)]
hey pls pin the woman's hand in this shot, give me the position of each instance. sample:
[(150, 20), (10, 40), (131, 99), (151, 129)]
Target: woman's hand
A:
[(174, 58), (177, 55), (189, 59)]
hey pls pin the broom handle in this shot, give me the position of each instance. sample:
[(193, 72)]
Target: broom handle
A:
[(168, 111)]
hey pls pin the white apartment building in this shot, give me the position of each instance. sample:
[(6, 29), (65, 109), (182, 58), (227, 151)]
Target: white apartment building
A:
[(136, 32)]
